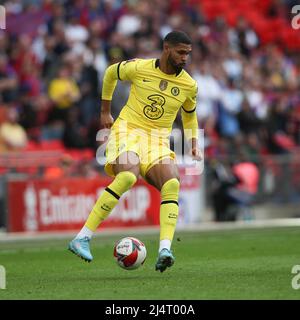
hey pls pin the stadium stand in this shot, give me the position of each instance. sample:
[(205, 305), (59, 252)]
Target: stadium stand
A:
[(246, 59)]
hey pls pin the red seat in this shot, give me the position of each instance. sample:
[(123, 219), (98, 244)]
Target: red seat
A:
[(231, 17), (32, 146), (3, 170), (89, 154), (52, 145), (75, 154), (78, 154), (262, 6), (290, 38)]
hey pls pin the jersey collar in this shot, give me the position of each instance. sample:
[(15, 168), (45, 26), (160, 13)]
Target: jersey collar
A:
[(157, 66)]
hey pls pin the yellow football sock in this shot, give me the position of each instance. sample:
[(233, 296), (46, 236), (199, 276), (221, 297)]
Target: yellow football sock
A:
[(169, 209), (109, 198)]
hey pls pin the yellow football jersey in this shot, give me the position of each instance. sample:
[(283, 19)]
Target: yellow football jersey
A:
[(155, 97)]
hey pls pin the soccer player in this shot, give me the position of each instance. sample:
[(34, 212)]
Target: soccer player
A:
[(159, 88)]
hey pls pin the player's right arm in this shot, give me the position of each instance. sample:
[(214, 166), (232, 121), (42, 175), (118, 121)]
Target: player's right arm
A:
[(190, 122), (124, 70), (106, 119)]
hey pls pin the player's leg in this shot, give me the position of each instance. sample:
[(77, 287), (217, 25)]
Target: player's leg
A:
[(126, 171), (165, 178)]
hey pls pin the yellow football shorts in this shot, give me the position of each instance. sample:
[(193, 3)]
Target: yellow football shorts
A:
[(150, 148)]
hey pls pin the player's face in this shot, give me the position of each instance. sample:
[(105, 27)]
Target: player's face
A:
[(178, 56)]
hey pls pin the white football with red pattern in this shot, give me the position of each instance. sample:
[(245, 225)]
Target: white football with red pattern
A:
[(130, 253)]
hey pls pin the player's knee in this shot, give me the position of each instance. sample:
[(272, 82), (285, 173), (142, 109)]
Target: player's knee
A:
[(127, 161), (171, 184), (170, 189), (126, 179)]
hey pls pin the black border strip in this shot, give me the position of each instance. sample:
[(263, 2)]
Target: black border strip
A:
[(169, 201), (187, 110), (118, 70), (112, 193)]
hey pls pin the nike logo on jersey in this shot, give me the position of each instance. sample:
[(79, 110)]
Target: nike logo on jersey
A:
[(145, 80)]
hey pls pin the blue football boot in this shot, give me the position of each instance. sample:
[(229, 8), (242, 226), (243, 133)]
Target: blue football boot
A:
[(81, 247), (165, 259)]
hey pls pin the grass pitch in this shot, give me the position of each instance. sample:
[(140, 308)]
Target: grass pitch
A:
[(231, 264)]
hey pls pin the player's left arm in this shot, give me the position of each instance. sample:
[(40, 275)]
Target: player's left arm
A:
[(190, 122)]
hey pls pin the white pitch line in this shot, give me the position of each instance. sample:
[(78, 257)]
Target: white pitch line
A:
[(204, 226)]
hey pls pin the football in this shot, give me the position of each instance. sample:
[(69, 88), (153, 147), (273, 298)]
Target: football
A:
[(130, 253)]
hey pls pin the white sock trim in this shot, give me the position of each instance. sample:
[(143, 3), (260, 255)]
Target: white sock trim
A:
[(164, 244), (84, 232)]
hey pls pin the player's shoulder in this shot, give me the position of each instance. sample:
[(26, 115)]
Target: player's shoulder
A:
[(137, 65), (145, 64), (140, 63), (189, 80)]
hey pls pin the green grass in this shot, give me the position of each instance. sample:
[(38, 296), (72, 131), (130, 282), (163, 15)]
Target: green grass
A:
[(231, 264)]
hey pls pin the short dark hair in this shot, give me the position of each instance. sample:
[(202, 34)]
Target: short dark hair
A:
[(176, 37)]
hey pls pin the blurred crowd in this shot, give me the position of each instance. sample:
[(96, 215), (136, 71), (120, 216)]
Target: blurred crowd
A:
[(53, 55)]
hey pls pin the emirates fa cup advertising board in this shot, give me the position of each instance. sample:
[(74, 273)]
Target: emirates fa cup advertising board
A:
[(64, 204)]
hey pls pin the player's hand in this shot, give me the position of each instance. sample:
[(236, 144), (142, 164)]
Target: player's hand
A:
[(196, 153), (106, 120)]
